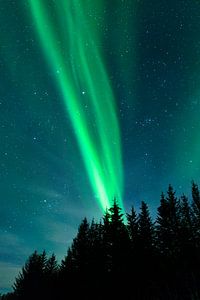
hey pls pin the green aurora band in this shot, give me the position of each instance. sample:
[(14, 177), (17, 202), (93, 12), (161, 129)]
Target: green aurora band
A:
[(71, 42)]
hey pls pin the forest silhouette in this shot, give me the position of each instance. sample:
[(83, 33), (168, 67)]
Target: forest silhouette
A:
[(123, 257)]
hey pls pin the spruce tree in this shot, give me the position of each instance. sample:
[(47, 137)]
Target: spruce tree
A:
[(163, 225), (95, 248), (168, 223), (66, 275), (145, 228), (186, 236), (80, 248), (30, 282), (119, 238), (133, 263), (74, 268), (132, 226), (51, 267), (51, 277), (145, 252), (106, 242)]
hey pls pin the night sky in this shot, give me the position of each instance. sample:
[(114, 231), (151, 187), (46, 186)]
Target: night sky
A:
[(97, 99)]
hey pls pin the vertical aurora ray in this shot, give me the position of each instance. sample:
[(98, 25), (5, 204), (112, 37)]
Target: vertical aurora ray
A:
[(70, 39)]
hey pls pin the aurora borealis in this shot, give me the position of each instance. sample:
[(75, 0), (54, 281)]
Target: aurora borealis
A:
[(97, 99), (72, 36)]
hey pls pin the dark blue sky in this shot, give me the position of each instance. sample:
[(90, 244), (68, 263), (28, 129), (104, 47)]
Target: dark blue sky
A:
[(151, 51)]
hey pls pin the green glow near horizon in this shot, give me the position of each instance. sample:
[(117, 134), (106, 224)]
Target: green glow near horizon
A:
[(70, 39)]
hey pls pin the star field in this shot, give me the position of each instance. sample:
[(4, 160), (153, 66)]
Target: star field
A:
[(144, 104)]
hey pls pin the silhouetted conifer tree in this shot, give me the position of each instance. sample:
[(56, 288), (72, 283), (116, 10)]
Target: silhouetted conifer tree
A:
[(132, 226), (186, 236), (51, 277), (51, 267), (80, 247), (119, 238), (67, 276), (168, 222), (67, 265), (133, 253), (145, 252), (30, 282), (106, 240), (145, 229), (96, 259), (80, 259)]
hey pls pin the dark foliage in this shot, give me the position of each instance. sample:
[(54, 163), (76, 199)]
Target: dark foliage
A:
[(118, 258)]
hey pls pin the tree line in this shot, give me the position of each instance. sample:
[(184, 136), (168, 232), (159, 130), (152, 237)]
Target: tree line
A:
[(132, 256)]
